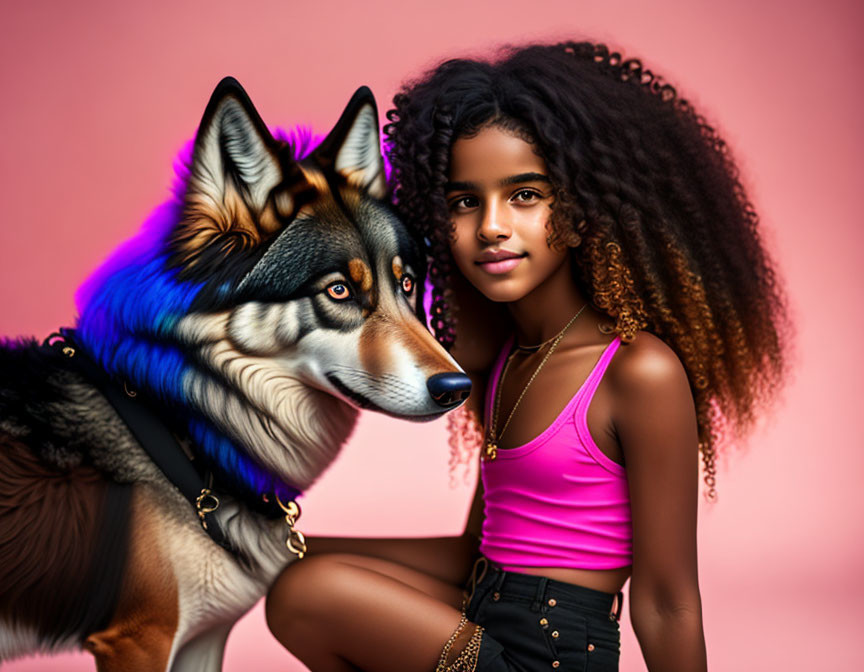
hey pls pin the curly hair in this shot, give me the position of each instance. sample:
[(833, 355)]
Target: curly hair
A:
[(646, 196)]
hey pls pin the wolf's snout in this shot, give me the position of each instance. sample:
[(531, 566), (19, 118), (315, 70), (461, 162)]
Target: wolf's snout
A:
[(449, 389)]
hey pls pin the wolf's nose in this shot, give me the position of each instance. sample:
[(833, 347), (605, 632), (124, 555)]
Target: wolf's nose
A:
[(449, 389)]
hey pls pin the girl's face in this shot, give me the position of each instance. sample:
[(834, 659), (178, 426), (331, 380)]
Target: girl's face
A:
[(499, 197)]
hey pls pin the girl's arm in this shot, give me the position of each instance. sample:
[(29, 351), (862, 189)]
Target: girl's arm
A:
[(655, 419), (446, 558)]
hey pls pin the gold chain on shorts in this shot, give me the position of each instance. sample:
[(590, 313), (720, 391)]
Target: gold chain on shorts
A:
[(466, 661)]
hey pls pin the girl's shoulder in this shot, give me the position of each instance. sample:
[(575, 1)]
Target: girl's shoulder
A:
[(652, 406), (646, 365)]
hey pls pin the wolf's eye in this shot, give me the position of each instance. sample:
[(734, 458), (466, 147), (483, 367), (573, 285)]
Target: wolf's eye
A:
[(339, 291), (407, 284)]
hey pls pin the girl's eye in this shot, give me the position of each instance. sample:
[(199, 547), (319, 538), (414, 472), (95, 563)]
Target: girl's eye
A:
[(463, 203), (407, 284), (339, 291), (526, 196)]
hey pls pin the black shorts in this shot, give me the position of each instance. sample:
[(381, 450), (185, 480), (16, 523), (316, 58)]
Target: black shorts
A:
[(537, 623)]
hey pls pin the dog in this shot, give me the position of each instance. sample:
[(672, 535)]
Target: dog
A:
[(150, 459)]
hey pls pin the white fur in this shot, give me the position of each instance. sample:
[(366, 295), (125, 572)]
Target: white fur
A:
[(267, 334), (293, 430), (17, 640), (359, 158)]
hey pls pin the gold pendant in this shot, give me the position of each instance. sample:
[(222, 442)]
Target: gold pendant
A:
[(491, 451)]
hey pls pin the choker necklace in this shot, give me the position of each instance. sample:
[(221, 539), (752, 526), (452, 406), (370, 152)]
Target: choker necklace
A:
[(491, 448), (535, 348)]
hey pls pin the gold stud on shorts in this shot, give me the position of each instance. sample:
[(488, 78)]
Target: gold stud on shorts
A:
[(590, 647), (554, 634), (552, 602), (544, 622)]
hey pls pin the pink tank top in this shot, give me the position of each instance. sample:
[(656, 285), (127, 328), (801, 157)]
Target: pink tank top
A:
[(557, 501)]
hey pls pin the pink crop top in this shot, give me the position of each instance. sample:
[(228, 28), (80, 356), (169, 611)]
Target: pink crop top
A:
[(557, 501)]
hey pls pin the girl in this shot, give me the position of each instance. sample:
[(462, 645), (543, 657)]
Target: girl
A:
[(641, 319)]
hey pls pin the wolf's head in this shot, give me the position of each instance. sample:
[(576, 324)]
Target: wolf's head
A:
[(275, 295)]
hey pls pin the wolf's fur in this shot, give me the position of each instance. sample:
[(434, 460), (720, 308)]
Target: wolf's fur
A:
[(257, 310)]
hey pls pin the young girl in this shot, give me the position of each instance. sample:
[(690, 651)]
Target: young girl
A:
[(641, 319)]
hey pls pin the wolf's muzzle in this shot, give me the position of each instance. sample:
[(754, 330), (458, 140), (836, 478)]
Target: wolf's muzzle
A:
[(449, 389)]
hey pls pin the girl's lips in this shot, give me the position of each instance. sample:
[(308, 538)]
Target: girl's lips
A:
[(499, 267)]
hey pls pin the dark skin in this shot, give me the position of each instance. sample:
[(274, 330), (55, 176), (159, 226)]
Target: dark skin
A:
[(390, 604)]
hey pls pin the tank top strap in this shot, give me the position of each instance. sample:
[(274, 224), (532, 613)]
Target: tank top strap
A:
[(495, 376), (596, 375), (586, 392)]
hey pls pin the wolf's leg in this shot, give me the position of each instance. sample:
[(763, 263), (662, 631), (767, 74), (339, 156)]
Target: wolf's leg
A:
[(143, 652), (140, 636), (338, 613), (204, 653)]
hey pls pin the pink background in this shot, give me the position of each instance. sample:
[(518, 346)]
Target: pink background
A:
[(98, 96)]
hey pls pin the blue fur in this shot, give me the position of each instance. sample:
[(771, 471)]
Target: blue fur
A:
[(128, 326), (219, 449), (129, 310), (126, 320)]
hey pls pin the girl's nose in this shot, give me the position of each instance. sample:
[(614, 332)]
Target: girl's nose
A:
[(493, 224)]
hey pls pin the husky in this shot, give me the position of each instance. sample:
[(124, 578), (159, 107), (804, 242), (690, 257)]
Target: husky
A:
[(151, 458)]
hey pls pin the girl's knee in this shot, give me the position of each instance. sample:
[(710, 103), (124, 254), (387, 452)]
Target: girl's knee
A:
[(296, 595), (287, 595)]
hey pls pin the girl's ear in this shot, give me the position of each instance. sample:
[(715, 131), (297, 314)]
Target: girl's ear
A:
[(353, 147)]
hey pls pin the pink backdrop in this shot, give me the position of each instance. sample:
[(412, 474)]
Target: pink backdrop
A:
[(98, 96)]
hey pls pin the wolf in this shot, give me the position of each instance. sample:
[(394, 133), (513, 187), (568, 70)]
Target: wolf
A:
[(151, 458)]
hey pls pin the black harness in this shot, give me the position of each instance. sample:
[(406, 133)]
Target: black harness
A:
[(165, 450)]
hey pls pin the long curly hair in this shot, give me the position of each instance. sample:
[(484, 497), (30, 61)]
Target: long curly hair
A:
[(646, 196)]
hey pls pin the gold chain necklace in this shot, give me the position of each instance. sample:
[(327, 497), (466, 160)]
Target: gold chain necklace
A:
[(491, 448)]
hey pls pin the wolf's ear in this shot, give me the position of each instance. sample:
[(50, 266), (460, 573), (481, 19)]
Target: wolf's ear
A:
[(234, 151), (353, 147), (235, 167)]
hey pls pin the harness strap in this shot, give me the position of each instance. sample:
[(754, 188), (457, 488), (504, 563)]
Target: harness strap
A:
[(150, 432)]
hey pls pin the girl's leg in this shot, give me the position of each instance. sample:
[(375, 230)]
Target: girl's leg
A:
[(342, 612), (446, 558)]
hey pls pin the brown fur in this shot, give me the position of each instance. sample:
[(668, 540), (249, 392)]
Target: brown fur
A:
[(140, 634), (375, 345), (48, 541), (361, 274), (232, 226)]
